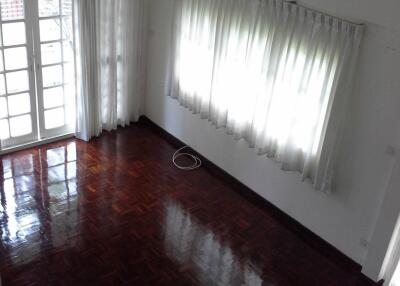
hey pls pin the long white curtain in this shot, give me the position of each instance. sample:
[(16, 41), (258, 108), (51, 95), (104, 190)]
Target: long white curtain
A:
[(88, 120), (267, 71), (111, 38)]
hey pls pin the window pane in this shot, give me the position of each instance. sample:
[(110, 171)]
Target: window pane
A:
[(3, 107), (69, 90), (1, 60), (12, 9), (4, 131), (49, 30), (67, 28), (69, 74), (14, 34), (2, 85), (19, 104), (70, 115), (54, 118), (66, 7), (20, 125), (68, 51), (52, 76), (53, 97), (51, 53), (17, 81), (16, 58), (49, 8)]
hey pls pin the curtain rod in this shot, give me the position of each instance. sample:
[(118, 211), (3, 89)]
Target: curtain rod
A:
[(293, 2)]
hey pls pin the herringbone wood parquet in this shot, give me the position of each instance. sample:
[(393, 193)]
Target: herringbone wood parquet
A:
[(116, 212)]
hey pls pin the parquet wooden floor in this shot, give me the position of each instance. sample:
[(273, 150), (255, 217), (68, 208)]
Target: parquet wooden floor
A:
[(116, 212)]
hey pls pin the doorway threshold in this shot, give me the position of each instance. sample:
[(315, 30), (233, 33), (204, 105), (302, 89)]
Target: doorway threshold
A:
[(21, 147)]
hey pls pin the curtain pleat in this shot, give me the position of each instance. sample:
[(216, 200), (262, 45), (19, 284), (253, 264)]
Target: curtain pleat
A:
[(269, 72), (111, 64), (88, 120)]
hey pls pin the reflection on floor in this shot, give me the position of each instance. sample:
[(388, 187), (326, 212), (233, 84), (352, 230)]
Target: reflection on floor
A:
[(214, 262), (21, 218), (115, 212)]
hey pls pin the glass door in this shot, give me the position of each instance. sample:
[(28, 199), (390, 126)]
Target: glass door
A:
[(37, 74), (18, 115), (55, 74)]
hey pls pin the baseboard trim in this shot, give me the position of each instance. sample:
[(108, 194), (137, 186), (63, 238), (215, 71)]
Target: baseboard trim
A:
[(290, 223)]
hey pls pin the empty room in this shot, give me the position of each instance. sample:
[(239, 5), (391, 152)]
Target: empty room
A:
[(200, 142)]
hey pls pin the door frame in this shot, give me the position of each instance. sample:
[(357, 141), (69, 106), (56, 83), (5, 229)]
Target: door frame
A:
[(35, 76), (65, 129)]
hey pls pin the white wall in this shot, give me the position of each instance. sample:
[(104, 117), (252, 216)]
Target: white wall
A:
[(347, 217), (387, 220)]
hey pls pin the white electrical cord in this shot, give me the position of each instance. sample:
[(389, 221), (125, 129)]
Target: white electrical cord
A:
[(178, 153)]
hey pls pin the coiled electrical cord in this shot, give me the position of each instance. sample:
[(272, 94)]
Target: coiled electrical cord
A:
[(196, 160)]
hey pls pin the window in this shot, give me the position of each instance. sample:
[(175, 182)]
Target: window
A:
[(267, 71)]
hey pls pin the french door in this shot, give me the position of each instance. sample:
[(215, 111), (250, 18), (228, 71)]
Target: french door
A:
[(37, 87)]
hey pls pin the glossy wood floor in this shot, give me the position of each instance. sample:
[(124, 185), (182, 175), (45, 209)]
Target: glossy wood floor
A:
[(116, 212)]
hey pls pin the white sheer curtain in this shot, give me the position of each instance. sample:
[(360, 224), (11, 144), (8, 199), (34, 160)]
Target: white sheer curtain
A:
[(122, 60), (267, 71), (111, 37), (88, 108)]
